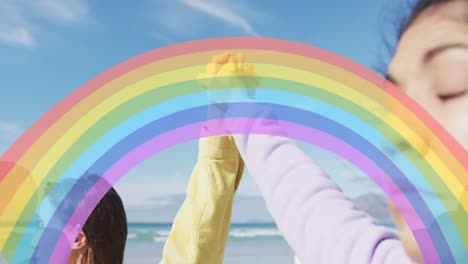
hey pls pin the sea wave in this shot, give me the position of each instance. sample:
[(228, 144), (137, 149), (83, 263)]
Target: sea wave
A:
[(164, 232), (160, 239), (160, 235), (253, 233)]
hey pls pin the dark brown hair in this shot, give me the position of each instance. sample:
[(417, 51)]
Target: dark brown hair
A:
[(106, 231), (105, 228), (420, 7)]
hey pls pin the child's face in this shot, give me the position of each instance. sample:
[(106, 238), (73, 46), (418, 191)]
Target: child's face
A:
[(431, 66)]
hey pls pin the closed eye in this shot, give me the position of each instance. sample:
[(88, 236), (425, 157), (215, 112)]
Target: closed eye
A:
[(450, 96)]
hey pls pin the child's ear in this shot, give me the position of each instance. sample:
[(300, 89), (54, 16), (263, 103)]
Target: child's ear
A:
[(81, 241)]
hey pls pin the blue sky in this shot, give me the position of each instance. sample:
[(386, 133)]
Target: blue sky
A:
[(48, 48)]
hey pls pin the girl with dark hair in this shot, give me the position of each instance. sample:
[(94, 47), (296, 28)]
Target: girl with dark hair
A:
[(103, 236), (101, 239)]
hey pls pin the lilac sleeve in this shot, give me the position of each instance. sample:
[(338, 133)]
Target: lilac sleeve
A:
[(317, 220)]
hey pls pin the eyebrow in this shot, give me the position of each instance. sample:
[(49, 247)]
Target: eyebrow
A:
[(428, 57), (439, 49)]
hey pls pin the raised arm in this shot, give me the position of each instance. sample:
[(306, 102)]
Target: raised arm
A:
[(319, 222), (201, 227)]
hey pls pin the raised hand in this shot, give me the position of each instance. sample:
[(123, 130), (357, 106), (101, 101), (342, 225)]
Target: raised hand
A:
[(227, 78)]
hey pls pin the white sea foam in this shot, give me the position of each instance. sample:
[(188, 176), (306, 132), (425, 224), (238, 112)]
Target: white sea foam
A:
[(144, 231), (164, 232), (160, 238), (255, 232)]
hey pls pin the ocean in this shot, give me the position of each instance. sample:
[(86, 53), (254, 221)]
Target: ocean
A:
[(248, 243)]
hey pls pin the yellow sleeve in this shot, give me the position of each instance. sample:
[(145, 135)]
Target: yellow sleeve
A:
[(201, 227)]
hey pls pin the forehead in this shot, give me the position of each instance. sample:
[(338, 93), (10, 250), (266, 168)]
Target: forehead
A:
[(441, 25)]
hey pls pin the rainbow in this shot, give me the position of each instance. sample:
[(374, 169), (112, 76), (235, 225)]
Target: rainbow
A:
[(152, 102)]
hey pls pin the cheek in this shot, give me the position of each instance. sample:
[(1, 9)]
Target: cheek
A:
[(454, 118), (459, 123), (452, 115)]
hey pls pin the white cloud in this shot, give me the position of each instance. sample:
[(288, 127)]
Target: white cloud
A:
[(20, 36), (190, 18), (9, 131), (18, 18), (66, 11), (223, 11), (14, 29)]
